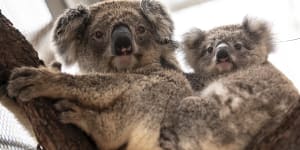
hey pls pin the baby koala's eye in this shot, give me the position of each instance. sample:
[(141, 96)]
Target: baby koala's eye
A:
[(98, 35), (210, 49), (140, 29), (238, 46)]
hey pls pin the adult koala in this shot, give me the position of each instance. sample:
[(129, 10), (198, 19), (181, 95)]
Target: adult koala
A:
[(123, 49)]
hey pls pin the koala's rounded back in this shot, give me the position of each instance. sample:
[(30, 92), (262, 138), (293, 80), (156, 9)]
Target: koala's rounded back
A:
[(228, 48), (85, 35)]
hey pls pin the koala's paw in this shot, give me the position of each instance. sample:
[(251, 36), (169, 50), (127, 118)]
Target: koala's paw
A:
[(27, 83), (68, 112)]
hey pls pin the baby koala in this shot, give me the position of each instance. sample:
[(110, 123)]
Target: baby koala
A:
[(247, 93), (225, 49)]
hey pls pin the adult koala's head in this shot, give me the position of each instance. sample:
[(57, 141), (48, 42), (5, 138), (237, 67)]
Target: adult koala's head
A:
[(114, 35)]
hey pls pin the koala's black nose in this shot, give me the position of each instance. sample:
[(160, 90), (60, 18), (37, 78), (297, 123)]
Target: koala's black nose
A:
[(121, 41), (222, 53)]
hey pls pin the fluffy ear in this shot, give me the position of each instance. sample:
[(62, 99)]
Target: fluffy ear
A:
[(68, 32), (255, 27), (258, 30), (160, 20), (193, 39)]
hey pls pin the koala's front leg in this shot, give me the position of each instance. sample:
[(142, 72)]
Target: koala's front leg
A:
[(98, 90)]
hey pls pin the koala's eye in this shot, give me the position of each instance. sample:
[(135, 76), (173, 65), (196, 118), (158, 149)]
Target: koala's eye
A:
[(98, 35), (210, 49), (141, 29), (238, 46)]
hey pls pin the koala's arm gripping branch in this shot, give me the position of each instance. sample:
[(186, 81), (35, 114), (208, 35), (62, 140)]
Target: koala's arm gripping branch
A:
[(15, 51), (96, 91)]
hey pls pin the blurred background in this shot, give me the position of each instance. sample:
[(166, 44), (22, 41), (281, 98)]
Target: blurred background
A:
[(30, 16)]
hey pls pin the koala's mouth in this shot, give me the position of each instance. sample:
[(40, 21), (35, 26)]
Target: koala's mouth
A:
[(224, 65), (223, 60)]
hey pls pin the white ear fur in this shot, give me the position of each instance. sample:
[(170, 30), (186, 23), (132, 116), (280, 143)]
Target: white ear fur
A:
[(193, 38), (159, 18), (68, 28), (255, 26), (259, 30)]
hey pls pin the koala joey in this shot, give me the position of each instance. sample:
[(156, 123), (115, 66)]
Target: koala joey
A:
[(124, 50), (247, 94)]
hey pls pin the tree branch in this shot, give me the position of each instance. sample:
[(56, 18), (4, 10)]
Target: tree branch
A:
[(15, 51)]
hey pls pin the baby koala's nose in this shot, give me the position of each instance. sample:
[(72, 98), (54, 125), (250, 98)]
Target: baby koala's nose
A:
[(222, 52)]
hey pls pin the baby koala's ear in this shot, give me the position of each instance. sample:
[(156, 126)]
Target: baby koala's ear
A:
[(255, 27), (258, 30), (193, 39)]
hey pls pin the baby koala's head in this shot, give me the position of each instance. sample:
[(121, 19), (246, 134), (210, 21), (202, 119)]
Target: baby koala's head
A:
[(227, 48)]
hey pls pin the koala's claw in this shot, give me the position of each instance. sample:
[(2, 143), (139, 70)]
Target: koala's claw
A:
[(22, 72), (69, 112), (66, 105), (24, 95), (68, 117)]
